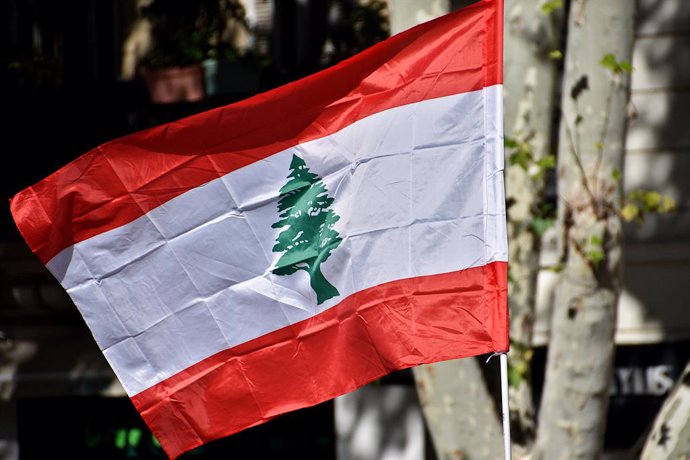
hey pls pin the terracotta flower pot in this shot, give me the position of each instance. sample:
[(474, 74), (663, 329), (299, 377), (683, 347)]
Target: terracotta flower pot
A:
[(175, 84)]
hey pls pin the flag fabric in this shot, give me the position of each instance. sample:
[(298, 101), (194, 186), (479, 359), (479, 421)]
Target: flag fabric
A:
[(281, 251)]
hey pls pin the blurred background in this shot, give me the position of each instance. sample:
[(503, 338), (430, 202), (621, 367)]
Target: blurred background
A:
[(77, 73)]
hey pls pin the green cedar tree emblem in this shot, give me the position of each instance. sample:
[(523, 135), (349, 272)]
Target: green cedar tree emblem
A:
[(309, 238)]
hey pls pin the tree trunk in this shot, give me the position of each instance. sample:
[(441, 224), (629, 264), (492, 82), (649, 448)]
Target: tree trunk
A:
[(670, 434), (530, 76), (581, 347), (459, 411)]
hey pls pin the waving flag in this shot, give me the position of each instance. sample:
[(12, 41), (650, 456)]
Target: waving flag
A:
[(278, 252)]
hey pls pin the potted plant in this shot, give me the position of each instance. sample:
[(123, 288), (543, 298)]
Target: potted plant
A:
[(181, 32), (232, 65)]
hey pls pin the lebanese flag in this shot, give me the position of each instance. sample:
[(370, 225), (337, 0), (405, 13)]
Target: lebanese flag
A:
[(278, 252)]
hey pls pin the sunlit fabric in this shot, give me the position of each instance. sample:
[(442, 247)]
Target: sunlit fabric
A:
[(278, 252)]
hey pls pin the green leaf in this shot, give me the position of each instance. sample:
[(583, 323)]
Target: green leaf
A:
[(630, 212), (551, 6), (626, 66), (651, 200), (522, 158), (517, 372), (640, 202), (541, 225), (514, 377), (595, 253), (609, 62), (547, 162), (616, 174), (668, 204), (556, 55), (510, 143), (595, 256)]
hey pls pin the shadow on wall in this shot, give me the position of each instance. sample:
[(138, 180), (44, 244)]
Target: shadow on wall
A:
[(658, 144), (658, 158)]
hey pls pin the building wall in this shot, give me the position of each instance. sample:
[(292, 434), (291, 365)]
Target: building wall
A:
[(658, 157)]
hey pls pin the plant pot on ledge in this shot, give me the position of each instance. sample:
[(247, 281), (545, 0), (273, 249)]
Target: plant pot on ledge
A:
[(181, 31), (175, 84)]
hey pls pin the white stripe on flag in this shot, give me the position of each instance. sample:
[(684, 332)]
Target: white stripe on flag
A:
[(400, 179)]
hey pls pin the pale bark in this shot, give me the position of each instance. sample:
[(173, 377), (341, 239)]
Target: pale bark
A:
[(670, 435), (459, 411), (530, 76), (379, 422), (581, 348)]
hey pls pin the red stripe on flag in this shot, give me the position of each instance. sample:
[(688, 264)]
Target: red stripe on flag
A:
[(120, 181), (389, 327)]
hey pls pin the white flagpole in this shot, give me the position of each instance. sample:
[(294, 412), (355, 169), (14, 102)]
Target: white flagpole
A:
[(504, 406)]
